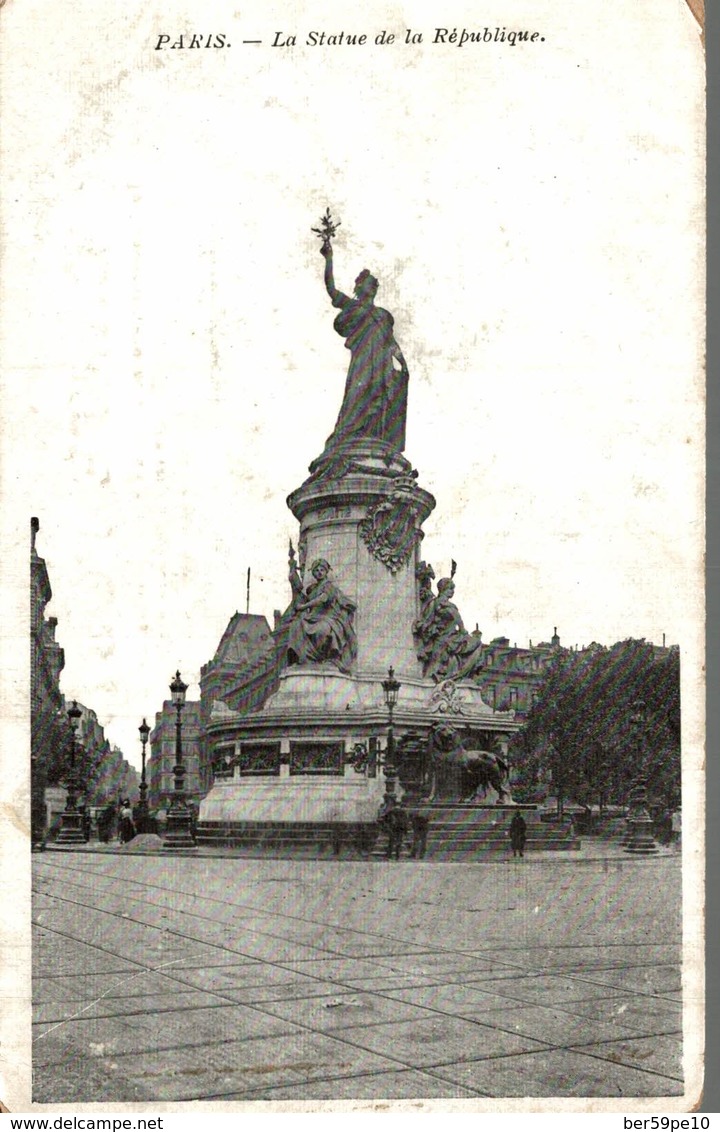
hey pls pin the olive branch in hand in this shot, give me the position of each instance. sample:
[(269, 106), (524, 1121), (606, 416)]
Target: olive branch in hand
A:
[(328, 228)]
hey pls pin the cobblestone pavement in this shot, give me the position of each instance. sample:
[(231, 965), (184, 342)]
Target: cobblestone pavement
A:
[(218, 979)]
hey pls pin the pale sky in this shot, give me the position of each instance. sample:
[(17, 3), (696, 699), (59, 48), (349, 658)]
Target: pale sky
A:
[(534, 216)]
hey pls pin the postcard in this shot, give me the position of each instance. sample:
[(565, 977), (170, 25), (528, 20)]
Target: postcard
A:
[(353, 383)]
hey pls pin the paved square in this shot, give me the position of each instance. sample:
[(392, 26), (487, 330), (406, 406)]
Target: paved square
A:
[(261, 979)]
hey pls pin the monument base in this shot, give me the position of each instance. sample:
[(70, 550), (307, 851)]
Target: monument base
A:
[(301, 766), (284, 812)]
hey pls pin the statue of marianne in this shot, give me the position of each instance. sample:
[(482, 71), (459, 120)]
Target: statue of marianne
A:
[(375, 401)]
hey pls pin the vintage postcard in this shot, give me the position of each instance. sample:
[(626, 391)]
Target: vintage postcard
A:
[(353, 498)]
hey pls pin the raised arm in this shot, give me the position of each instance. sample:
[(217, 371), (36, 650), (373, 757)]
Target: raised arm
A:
[(332, 290)]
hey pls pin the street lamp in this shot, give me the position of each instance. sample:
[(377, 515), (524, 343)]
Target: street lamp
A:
[(178, 833), (143, 804), (71, 831), (391, 688), (639, 840)]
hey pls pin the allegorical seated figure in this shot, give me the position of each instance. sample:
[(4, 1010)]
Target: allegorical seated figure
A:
[(375, 401), (320, 627), (445, 648)]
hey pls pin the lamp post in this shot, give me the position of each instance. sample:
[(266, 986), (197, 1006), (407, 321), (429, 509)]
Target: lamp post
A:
[(639, 839), (178, 835), (143, 803), (391, 688), (71, 831)]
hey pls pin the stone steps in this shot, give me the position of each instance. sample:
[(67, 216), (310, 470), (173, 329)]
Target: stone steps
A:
[(464, 831), (455, 833), (288, 835)]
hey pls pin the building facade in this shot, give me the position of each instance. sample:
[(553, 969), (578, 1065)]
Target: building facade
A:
[(159, 773), (108, 776), (511, 676), (48, 729)]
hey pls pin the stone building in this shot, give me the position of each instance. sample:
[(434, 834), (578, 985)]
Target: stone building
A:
[(47, 660), (241, 675), (109, 775), (160, 765), (511, 675), (119, 778)]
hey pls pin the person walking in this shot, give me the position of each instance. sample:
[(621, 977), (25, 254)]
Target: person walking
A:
[(127, 825), (518, 834)]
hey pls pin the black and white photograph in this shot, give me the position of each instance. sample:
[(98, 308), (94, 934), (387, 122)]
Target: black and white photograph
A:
[(353, 497)]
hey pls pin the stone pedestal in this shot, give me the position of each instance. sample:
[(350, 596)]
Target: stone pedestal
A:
[(639, 839), (368, 525), (362, 510), (71, 832), (178, 837)]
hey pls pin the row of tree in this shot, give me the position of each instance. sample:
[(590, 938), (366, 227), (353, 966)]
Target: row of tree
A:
[(101, 771), (603, 718)]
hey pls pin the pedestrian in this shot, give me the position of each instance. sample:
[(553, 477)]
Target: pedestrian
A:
[(397, 826), (419, 823), (518, 833), (127, 825)]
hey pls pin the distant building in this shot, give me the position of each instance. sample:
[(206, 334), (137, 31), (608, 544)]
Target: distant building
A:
[(103, 775), (511, 676), (241, 675), (243, 671), (123, 774), (159, 772)]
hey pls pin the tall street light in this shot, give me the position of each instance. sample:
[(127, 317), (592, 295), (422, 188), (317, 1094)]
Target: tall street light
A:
[(71, 831), (639, 840), (178, 834), (391, 688), (143, 804)]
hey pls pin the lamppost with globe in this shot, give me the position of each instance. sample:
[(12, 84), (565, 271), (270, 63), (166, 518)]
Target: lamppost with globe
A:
[(178, 835), (143, 803), (71, 831), (639, 840), (391, 688)]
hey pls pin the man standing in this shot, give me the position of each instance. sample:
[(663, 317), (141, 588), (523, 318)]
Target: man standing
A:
[(396, 824), (518, 833)]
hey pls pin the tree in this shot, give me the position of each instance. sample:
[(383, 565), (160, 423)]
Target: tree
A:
[(86, 760), (603, 717)]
